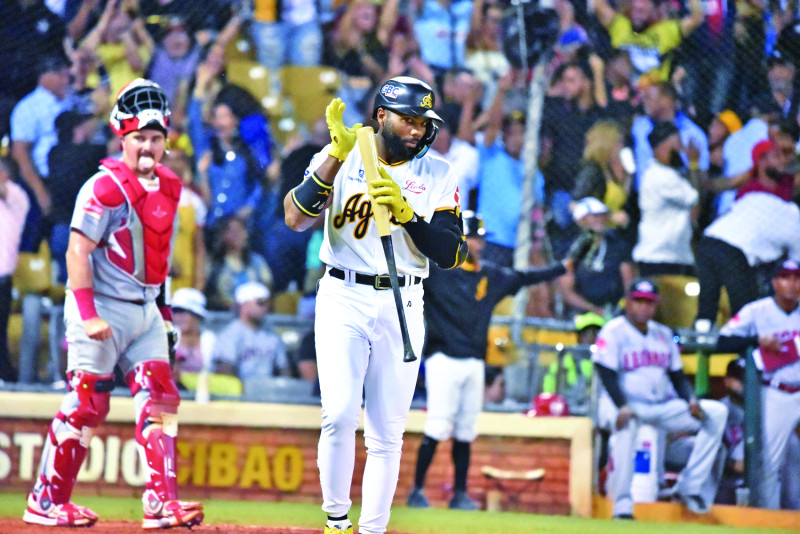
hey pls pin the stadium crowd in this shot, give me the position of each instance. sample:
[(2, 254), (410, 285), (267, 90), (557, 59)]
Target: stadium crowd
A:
[(669, 128)]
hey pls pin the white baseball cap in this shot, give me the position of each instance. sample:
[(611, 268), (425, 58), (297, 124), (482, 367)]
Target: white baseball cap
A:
[(191, 300), (250, 291), (588, 206)]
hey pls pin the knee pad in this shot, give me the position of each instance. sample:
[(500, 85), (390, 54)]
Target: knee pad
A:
[(93, 392), (156, 398)]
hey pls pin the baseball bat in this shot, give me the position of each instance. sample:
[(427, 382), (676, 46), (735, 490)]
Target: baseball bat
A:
[(369, 154)]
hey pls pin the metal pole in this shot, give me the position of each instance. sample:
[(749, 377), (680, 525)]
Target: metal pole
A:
[(752, 428), (701, 379)]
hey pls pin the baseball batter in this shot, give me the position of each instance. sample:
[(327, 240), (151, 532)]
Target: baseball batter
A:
[(459, 304), (640, 368), (358, 340), (117, 263), (773, 324)]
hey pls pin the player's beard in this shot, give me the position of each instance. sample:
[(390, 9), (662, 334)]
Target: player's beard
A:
[(396, 145)]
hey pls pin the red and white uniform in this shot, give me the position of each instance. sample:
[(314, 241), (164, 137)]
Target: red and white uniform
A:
[(780, 397)]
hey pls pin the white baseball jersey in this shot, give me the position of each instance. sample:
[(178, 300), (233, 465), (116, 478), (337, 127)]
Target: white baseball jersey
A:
[(351, 237), (765, 317), (119, 256), (642, 361)]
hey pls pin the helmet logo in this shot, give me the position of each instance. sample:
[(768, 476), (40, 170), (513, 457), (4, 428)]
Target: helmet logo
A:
[(427, 101), (390, 91)]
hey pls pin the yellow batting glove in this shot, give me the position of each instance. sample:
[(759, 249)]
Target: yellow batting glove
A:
[(342, 137), (386, 192)]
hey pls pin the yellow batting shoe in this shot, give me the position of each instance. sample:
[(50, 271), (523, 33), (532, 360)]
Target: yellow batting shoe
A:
[(338, 530)]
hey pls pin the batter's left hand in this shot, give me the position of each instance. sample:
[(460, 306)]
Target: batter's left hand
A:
[(386, 192), (696, 411)]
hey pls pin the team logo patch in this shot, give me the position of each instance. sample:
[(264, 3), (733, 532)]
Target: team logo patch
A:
[(427, 101), (93, 209), (390, 91)]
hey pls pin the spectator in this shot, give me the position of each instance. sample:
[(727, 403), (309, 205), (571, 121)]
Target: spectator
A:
[(203, 22), (494, 391), (500, 177), (768, 178), (645, 34), (229, 174), (666, 201), (68, 173), (733, 438), (13, 209), (287, 33), (772, 324), (725, 124), (193, 351), (640, 369), (245, 348), (598, 282), (188, 267), (602, 174), (441, 27), (463, 157), (232, 264), (737, 247), (781, 82), (33, 131), (121, 42), (175, 58), (484, 47), (623, 97), (660, 104)]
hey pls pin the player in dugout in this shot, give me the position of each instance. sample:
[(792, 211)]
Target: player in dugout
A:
[(459, 305), (116, 314)]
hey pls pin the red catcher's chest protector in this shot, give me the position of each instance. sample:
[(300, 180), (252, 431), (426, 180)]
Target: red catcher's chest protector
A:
[(154, 221)]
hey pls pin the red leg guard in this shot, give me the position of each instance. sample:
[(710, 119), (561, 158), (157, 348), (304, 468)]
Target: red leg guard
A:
[(157, 424), (84, 409)]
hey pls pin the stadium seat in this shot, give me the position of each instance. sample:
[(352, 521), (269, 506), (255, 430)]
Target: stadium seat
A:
[(286, 303), (33, 273), (240, 47), (309, 90), (278, 389), (257, 79), (678, 307), (218, 384)]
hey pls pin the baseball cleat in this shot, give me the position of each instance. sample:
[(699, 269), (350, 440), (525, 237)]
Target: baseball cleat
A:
[(158, 514), (695, 504), (623, 516), (461, 501), (339, 527), (50, 514), (417, 499)]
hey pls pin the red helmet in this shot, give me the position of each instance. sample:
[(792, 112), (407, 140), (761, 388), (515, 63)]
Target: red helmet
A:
[(140, 104), (551, 404)]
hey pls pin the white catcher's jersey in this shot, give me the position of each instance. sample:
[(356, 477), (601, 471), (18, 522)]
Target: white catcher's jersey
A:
[(765, 317), (642, 361), (351, 237)]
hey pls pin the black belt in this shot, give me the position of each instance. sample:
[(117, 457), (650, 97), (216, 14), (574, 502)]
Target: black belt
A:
[(377, 281)]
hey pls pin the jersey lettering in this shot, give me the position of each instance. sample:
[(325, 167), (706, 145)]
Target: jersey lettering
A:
[(645, 358), (355, 209)]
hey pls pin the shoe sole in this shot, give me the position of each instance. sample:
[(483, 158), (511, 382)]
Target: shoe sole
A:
[(36, 519), (154, 524)]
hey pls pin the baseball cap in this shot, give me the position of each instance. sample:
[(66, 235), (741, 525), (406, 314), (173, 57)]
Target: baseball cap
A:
[(662, 130), (191, 300), (731, 120), (788, 268), (735, 369), (588, 319), (250, 291), (761, 149), (588, 206), (473, 224), (643, 289), (68, 120)]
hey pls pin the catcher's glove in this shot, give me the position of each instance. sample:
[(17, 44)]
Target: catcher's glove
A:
[(579, 250)]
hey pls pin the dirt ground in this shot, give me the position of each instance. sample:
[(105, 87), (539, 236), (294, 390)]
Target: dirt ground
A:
[(17, 526)]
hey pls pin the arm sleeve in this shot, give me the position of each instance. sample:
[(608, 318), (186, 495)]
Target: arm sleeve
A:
[(441, 239), (537, 276), (736, 343), (610, 381), (682, 385)]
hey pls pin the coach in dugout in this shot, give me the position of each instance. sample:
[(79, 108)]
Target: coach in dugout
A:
[(458, 309)]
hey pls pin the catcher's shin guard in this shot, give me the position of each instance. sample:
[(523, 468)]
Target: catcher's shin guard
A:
[(84, 408), (156, 399)]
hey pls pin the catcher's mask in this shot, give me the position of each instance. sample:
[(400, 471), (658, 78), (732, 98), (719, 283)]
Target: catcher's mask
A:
[(410, 96), (140, 104)]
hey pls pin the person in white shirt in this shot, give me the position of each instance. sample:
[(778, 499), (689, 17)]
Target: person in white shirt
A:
[(666, 199)]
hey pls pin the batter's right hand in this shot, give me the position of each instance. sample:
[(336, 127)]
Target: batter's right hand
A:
[(97, 329), (343, 138), (624, 416)]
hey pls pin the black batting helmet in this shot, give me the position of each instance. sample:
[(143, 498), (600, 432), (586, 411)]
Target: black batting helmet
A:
[(410, 96)]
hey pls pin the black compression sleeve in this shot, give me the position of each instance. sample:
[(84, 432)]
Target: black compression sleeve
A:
[(735, 343), (682, 385), (440, 240), (537, 276), (610, 381)]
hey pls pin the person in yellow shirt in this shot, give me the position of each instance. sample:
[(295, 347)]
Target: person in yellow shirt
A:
[(647, 36)]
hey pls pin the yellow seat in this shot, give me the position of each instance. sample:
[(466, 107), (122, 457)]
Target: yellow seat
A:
[(309, 90), (255, 78), (240, 47), (286, 303), (33, 273), (678, 307), (218, 384)]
